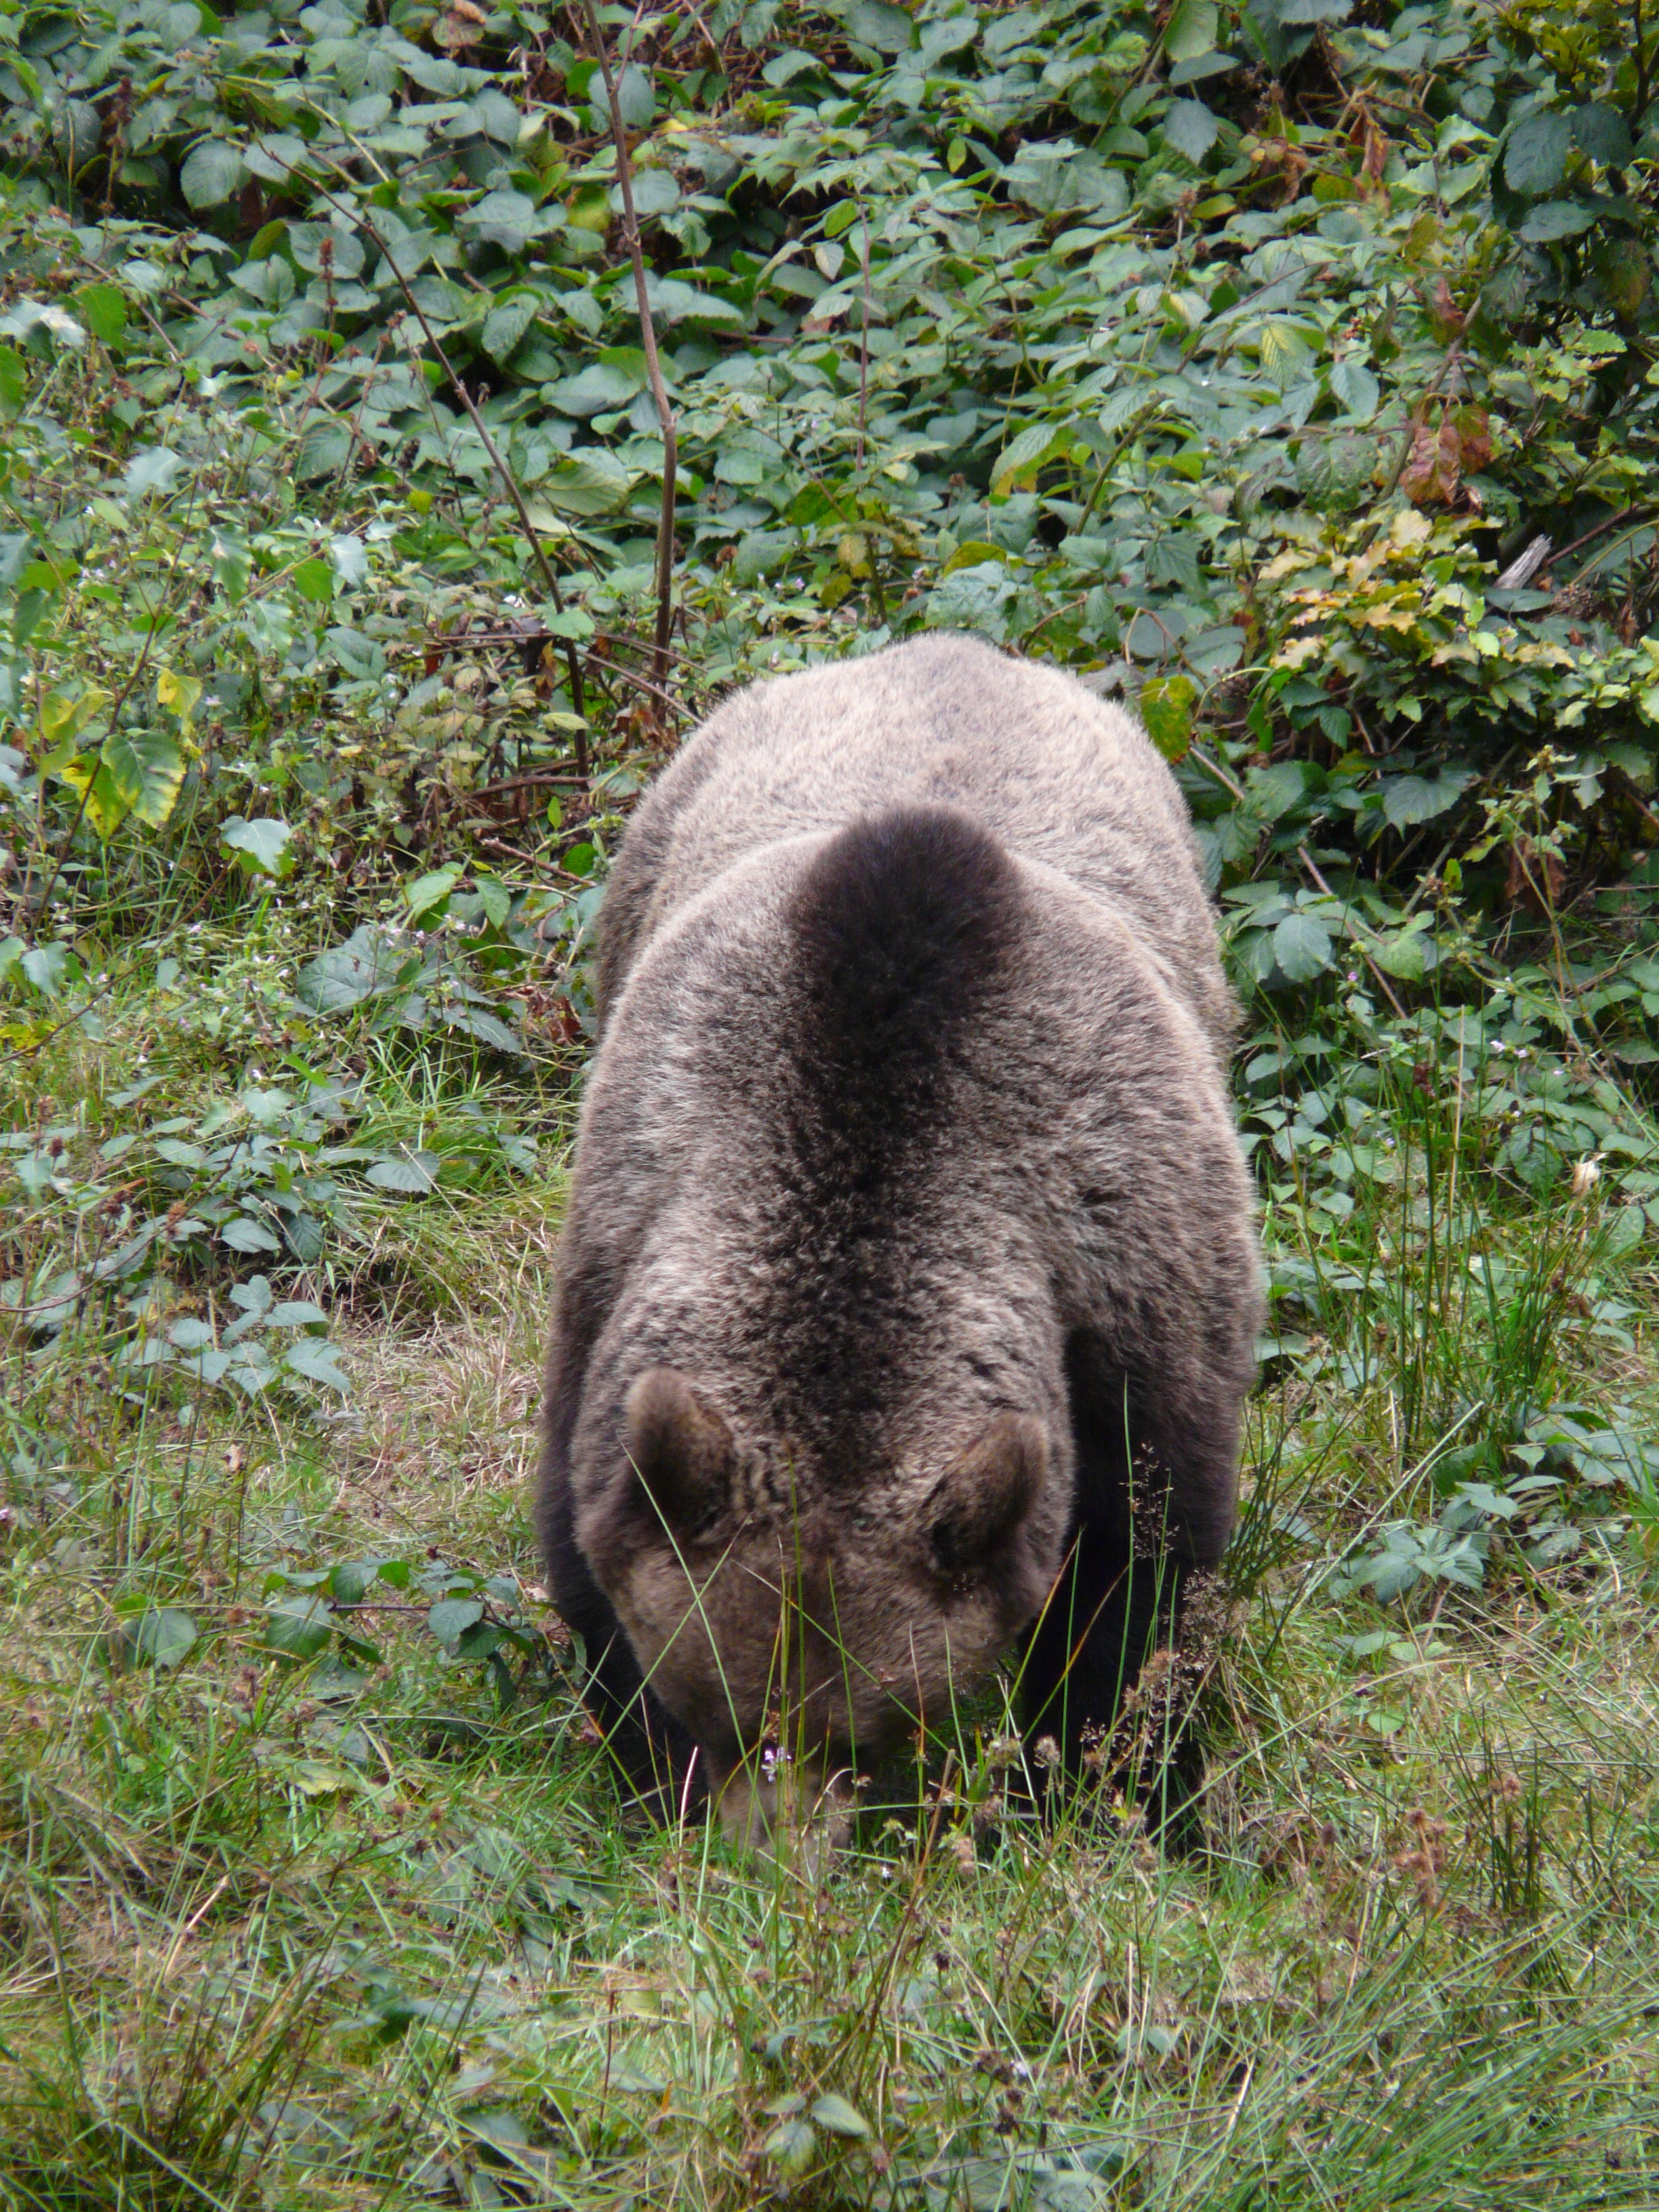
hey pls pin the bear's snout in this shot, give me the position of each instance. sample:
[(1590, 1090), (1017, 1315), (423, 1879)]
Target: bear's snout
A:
[(778, 1804)]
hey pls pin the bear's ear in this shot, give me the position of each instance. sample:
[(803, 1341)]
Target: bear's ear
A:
[(977, 1509), (681, 1449)]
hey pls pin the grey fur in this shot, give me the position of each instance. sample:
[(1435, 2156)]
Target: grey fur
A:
[(906, 1153)]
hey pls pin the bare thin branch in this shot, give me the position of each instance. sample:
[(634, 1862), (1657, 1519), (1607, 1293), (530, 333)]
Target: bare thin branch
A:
[(653, 364)]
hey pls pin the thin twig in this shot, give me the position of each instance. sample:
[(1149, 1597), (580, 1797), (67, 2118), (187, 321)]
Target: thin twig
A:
[(537, 779), (653, 365), (573, 663), (1210, 768), (1387, 988), (1642, 511)]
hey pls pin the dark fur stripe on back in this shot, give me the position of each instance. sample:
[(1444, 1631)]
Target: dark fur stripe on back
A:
[(900, 925), (901, 935)]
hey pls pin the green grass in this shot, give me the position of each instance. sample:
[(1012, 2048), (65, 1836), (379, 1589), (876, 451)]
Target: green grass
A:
[(279, 1934)]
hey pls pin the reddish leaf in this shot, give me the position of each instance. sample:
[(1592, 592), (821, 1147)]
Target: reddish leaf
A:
[(1475, 437), (1439, 456), (1444, 314)]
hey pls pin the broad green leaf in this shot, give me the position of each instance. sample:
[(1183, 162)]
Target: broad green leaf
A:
[(314, 581), (673, 302), (350, 558), (428, 893), (1406, 956), (792, 2146), (610, 382), (213, 170), (411, 1175), (350, 1582), (971, 555), (636, 98), (505, 325), (261, 845), (874, 23), (1191, 129), (295, 1313), (1058, 177), (315, 246), (1274, 791), (162, 1635), (366, 963), (496, 901), (244, 1234), (1285, 354), (318, 1361), (486, 1028), (155, 470), (1409, 800), (278, 157), (1555, 219), (496, 115), (1600, 132), (103, 311), (1191, 29), (839, 2117), (324, 449), (783, 68), (654, 193), (1301, 947), (14, 381), (590, 482), (1357, 390), (452, 1616), (504, 218), (146, 770), (1535, 157), (1200, 67), (299, 1628)]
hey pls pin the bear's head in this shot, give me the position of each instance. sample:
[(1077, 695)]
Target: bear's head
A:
[(799, 1639)]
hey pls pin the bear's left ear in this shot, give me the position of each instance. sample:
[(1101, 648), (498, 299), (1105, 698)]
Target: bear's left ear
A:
[(681, 1449), (979, 1507)]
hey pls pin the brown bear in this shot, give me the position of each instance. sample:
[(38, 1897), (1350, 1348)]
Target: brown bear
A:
[(909, 1293)]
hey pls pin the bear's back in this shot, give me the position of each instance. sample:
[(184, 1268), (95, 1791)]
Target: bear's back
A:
[(1063, 780)]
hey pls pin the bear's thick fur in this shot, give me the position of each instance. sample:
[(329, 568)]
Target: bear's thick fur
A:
[(909, 1293)]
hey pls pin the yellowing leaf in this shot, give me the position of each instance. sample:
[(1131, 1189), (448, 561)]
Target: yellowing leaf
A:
[(179, 692), (147, 771), (62, 721), (1166, 708), (105, 809), (1027, 453)]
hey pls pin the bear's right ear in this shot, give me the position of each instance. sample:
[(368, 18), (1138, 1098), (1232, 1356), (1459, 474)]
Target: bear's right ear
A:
[(979, 1508), (681, 1449)]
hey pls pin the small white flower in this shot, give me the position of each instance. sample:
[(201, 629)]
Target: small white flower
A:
[(1586, 1174)]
